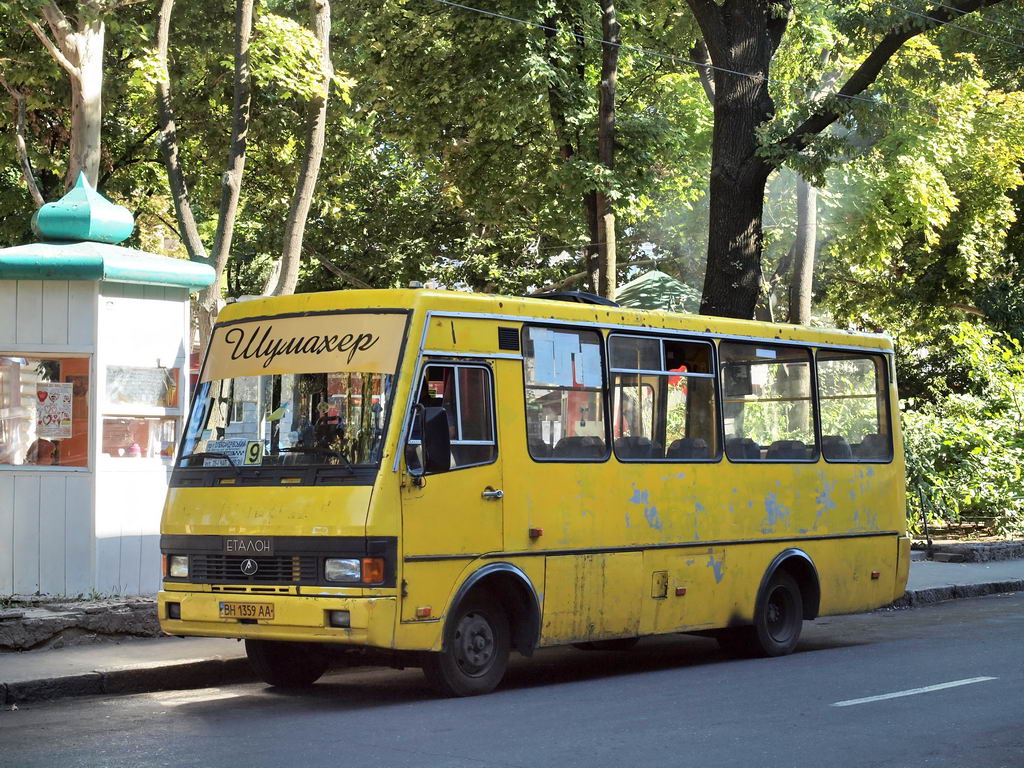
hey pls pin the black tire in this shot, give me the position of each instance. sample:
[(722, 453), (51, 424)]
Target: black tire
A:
[(476, 649), (779, 616), (287, 665), (778, 619), (618, 644)]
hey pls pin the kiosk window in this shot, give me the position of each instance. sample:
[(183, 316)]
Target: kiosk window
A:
[(44, 411)]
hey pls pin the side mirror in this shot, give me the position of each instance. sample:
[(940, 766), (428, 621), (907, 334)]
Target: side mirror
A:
[(431, 426)]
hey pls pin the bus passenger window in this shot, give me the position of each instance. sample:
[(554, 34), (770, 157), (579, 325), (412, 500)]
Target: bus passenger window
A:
[(767, 404), (465, 393), (663, 399), (854, 407), (564, 379)]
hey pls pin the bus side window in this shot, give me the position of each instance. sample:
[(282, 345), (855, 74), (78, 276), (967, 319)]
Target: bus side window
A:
[(854, 407), (466, 394), (564, 388), (767, 402), (663, 399)]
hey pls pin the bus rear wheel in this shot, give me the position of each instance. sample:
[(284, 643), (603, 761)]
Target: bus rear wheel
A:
[(286, 665), (780, 616), (778, 619), (476, 649)]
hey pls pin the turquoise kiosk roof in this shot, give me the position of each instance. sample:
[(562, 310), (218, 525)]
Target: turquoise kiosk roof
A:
[(78, 236)]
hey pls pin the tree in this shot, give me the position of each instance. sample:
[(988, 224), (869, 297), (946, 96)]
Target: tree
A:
[(742, 38), (316, 127), (231, 180), (77, 46)]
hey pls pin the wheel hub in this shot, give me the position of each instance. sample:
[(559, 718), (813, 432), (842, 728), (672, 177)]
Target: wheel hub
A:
[(474, 644)]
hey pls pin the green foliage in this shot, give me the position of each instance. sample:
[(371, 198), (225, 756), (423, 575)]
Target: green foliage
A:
[(965, 446)]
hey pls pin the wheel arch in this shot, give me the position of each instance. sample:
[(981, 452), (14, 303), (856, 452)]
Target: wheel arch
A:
[(800, 566), (514, 590)]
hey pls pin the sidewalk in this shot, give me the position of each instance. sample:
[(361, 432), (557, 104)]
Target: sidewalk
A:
[(137, 665)]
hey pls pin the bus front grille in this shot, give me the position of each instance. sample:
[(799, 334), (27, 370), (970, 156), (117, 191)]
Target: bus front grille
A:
[(228, 569)]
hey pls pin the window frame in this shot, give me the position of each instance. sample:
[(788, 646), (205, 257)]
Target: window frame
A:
[(717, 417), (602, 338), (93, 420), (492, 409), (886, 359), (815, 414)]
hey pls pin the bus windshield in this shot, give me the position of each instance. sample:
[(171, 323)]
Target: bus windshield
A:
[(288, 419)]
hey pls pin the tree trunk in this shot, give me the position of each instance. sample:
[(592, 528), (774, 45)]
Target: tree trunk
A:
[(558, 107), (168, 141), (21, 147), (606, 146), (79, 52), (741, 36), (86, 104), (804, 250), (316, 115), (231, 181), (592, 254)]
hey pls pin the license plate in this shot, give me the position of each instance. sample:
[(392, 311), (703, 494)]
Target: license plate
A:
[(247, 610)]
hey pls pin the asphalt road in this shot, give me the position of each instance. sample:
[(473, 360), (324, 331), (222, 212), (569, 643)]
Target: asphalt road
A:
[(670, 702)]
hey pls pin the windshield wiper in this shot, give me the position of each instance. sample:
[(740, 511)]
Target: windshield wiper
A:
[(208, 455), (319, 451)]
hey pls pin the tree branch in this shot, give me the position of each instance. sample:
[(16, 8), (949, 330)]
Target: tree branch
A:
[(777, 25), (55, 52), (700, 54), (337, 271), (709, 19), (872, 66), (21, 146), (969, 309)]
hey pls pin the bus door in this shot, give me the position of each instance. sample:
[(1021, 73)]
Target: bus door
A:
[(457, 512)]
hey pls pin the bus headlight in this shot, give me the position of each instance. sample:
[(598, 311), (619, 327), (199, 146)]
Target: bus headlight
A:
[(342, 569), (177, 566)]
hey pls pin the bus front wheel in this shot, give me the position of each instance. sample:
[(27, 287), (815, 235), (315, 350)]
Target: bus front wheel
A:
[(286, 665), (476, 649)]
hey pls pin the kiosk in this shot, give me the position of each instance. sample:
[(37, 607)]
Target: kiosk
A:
[(94, 350)]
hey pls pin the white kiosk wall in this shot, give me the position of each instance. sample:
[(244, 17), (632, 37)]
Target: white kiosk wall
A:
[(46, 512), (143, 372)]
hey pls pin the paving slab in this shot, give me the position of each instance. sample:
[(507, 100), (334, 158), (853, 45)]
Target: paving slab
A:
[(131, 666), (925, 574)]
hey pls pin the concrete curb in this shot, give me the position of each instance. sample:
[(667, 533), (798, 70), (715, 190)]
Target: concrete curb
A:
[(921, 597), (157, 677)]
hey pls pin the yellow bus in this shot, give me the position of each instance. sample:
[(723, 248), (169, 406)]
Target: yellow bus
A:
[(450, 477)]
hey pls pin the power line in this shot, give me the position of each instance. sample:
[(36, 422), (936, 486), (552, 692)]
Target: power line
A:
[(979, 15), (815, 92), (670, 57), (950, 24)]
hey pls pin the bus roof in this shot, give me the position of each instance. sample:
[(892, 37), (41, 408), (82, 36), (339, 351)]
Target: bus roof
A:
[(514, 308)]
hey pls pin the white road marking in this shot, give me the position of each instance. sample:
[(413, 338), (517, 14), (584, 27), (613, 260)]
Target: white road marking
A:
[(178, 698), (913, 691)]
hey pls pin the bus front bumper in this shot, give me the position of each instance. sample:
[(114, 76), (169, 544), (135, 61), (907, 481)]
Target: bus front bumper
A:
[(371, 620)]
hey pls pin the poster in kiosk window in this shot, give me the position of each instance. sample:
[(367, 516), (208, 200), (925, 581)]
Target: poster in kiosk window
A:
[(53, 413)]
